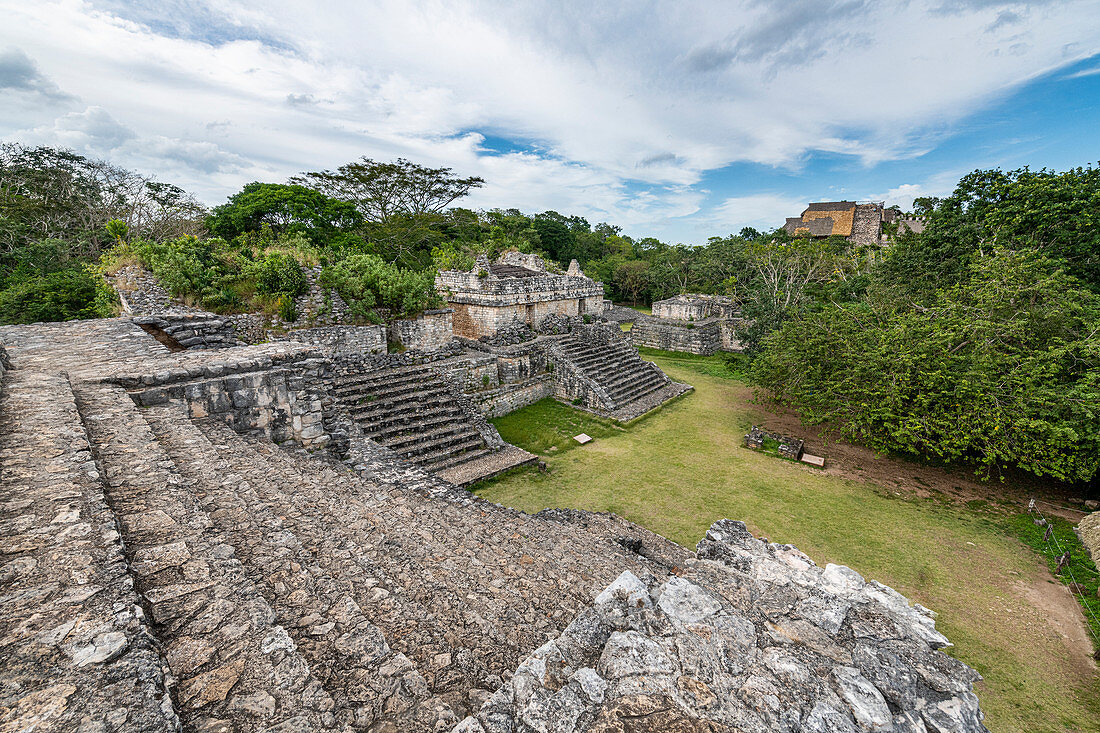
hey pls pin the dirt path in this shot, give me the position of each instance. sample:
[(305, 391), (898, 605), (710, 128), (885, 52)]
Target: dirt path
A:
[(1054, 608), (899, 475), (1048, 606)]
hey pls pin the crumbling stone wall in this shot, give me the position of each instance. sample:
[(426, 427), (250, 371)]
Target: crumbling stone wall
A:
[(432, 330), (282, 403), (320, 306), (193, 330), (750, 636), (510, 397), (867, 224), (340, 339)]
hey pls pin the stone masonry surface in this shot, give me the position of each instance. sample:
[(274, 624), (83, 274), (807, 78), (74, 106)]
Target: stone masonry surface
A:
[(162, 570)]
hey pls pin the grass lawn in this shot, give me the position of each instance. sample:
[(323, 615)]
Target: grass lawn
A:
[(680, 469)]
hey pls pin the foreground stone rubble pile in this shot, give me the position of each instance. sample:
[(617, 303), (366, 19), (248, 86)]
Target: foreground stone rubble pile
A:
[(166, 566)]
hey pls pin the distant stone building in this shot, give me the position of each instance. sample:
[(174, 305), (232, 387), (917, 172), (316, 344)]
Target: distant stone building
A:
[(698, 324), (690, 307), (517, 288), (859, 223)]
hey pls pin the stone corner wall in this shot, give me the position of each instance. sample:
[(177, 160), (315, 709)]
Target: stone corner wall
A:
[(283, 402), (430, 331), (704, 337)]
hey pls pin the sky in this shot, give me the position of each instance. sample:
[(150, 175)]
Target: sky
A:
[(680, 119)]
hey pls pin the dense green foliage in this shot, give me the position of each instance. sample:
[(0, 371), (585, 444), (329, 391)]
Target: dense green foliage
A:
[(285, 209), (367, 282), (1002, 369), (60, 295)]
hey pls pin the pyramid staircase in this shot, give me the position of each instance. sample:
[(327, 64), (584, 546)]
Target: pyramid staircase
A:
[(616, 367), (414, 413)]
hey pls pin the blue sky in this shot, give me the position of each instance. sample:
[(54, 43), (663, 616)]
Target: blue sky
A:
[(679, 120)]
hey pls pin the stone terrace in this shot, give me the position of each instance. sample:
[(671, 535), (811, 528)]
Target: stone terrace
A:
[(162, 571)]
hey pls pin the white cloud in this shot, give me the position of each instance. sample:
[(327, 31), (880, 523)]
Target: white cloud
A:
[(626, 105), (762, 211)]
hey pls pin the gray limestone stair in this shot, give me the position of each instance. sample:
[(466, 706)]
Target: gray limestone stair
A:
[(75, 644), (411, 411), (500, 582), (357, 533), (616, 367), (234, 666), (317, 589)]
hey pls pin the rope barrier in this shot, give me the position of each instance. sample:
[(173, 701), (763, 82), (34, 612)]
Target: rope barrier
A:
[(1063, 563)]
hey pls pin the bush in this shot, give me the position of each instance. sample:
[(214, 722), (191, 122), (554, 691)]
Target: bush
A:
[(287, 310), (276, 273), (64, 295), (366, 282)]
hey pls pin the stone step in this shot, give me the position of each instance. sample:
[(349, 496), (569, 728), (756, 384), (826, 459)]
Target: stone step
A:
[(381, 389), (459, 451), (74, 641), (420, 613), (431, 435), (378, 377), (232, 660), (452, 443), (428, 400), (413, 423), (450, 460), (315, 596)]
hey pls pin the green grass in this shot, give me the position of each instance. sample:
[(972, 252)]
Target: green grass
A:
[(682, 468), (547, 427), (1079, 569)]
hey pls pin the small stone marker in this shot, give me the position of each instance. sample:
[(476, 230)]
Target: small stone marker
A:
[(583, 438), (818, 461)]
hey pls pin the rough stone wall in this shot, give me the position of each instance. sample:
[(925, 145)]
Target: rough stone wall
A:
[(478, 321), (5, 364), (193, 330), (729, 332), (139, 291), (867, 225), (751, 636), (283, 403), (320, 306), (702, 337), (340, 339), (430, 331), (510, 397), (619, 313)]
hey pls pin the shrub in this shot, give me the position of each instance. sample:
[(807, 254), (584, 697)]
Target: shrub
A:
[(366, 281), (64, 295), (276, 273), (287, 311)]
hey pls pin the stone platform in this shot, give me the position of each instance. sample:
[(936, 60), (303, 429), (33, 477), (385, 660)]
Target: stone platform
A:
[(165, 571)]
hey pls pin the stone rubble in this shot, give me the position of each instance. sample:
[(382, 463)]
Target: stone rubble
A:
[(751, 636)]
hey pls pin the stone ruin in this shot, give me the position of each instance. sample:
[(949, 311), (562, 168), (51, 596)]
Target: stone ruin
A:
[(273, 537), (697, 324), (519, 287), (787, 446)]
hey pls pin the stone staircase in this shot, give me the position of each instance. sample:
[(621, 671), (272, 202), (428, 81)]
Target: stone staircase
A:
[(228, 655), (615, 366), (413, 412), (75, 643)]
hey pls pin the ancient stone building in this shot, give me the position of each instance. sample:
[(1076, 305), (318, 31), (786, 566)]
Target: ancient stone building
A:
[(698, 324), (859, 223), (167, 566), (517, 288)]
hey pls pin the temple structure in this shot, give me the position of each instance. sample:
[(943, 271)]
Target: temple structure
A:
[(519, 287)]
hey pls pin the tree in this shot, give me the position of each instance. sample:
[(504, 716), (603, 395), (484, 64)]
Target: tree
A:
[(1002, 370), (632, 277), (286, 209), (381, 191)]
